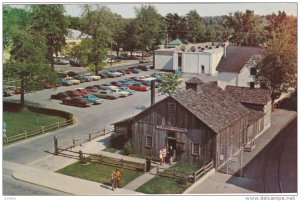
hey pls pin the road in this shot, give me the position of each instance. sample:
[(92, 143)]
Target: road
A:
[(275, 168)]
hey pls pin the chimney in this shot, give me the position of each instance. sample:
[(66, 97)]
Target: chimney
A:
[(252, 85), (193, 83)]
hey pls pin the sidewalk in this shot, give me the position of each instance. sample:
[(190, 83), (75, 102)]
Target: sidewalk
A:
[(219, 183), (61, 182)]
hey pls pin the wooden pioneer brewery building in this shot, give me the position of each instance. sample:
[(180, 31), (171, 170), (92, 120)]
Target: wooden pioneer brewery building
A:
[(200, 123)]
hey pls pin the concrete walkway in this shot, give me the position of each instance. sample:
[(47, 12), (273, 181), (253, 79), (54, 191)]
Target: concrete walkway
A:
[(219, 183)]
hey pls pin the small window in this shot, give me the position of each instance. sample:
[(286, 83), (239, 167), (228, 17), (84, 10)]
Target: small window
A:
[(195, 149), (252, 71), (202, 69), (148, 141)]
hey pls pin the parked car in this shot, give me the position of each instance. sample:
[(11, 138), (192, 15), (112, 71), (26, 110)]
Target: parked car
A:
[(115, 73), (142, 61), (83, 91), (76, 62), (60, 96), (7, 92), (93, 77), (109, 74), (128, 71), (148, 83), (92, 99), (121, 71), (130, 91), (14, 89), (106, 87), (142, 67), (73, 93), (65, 82), (76, 102), (138, 87), (92, 88), (83, 78), (71, 74), (135, 70), (73, 80), (103, 75), (128, 82), (147, 78), (60, 61), (120, 93), (116, 83), (107, 94)]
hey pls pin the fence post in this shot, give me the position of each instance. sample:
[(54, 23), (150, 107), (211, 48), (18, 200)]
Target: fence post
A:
[(175, 173), (57, 124), (80, 156), (100, 159), (25, 134), (122, 163), (55, 145), (73, 143), (43, 129), (90, 137), (157, 170), (145, 167), (194, 177), (104, 130)]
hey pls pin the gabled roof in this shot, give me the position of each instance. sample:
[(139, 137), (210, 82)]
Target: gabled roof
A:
[(75, 34), (236, 58), (213, 106), (194, 80), (253, 96), (175, 42)]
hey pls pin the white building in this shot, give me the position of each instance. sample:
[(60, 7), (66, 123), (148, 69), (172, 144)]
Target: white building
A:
[(201, 58), (239, 66)]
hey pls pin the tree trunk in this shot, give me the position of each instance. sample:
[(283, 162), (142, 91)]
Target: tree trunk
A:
[(131, 52), (22, 101), (142, 54), (52, 63), (96, 71)]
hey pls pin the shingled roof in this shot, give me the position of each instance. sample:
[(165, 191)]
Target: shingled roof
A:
[(236, 58), (213, 106), (253, 96), (194, 80)]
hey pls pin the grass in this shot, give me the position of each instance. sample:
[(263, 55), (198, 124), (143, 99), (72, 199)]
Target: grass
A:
[(110, 149), (18, 122), (164, 185), (98, 173)]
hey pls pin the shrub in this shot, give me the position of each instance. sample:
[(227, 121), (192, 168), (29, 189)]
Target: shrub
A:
[(118, 141), (128, 149)]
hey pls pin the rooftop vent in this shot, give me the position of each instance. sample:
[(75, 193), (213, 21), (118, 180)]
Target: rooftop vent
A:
[(210, 48)]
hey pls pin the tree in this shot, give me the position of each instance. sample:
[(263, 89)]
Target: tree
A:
[(27, 62), (175, 26), (131, 38), (195, 27), (13, 18), (247, 27), (119, 33), (73, 22), (49, 21), (170, 84), (96, 23), (149, 26), (278, 68)]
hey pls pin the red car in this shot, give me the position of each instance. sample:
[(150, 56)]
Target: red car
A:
[(138, 87), (14, 89), (74, 93), (83, 91), (76, 102), (128, 71)]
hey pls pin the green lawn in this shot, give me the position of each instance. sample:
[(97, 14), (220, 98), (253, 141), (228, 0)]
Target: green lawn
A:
[(164, 185), (98, 173), (18, 122)]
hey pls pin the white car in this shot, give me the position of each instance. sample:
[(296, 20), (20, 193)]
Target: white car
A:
[(93, 77), (117, 74), (120, 93), (147, 78), (108, 87)]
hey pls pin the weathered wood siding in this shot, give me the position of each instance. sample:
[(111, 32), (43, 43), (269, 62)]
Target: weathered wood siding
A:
[(196, 132), (230, 141), (254, 129), (267, 110)]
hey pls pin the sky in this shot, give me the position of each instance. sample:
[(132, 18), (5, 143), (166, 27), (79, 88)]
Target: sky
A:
[(126, 10)]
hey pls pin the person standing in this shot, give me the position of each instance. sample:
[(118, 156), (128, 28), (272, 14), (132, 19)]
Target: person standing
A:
[(113, 180), (164, 154), (171, 155), (161, 156), (118, 178)]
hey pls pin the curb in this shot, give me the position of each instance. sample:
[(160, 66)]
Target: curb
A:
[(211, 172)]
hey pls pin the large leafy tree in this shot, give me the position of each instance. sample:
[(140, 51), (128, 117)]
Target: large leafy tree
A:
[(170, 84), (247, 27), (195, 27), (175, 26), (131, 38), (278, 69), (119, 33), (149, 25), (27, 61), (49, 20), (98, 24)]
